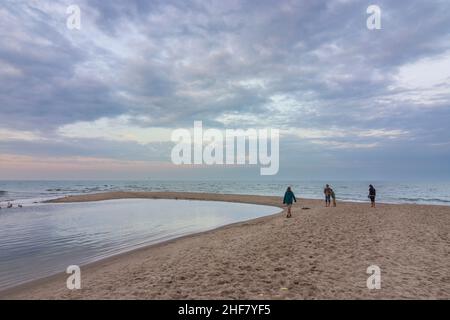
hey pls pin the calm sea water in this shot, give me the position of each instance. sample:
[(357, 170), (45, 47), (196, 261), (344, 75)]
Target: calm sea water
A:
[(41, 240), (27, 192)]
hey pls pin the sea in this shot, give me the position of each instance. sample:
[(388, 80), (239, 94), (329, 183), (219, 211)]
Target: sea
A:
[(33, 192)]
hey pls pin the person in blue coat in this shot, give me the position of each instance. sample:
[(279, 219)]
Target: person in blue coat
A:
[(289, 198)]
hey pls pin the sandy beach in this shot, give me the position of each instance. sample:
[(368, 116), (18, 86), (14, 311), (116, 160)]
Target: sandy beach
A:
[(320, 253)]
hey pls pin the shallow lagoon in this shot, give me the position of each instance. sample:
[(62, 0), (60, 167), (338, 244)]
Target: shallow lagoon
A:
[(41, 240)]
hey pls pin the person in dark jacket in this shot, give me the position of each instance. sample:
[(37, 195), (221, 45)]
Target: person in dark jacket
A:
[(333, 197), (372, 195), (327, 192), (289, 198)]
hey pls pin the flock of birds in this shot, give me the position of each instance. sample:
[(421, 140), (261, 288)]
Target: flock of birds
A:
[(10, 205)]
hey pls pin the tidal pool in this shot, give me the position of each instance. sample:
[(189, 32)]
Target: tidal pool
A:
[(41, 240)]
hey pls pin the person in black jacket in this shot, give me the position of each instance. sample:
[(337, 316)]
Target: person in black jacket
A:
[(372, 195)]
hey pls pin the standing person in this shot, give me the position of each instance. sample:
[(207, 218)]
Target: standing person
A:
[(372, 195), (327, 192), (333, 196), (289, 197)]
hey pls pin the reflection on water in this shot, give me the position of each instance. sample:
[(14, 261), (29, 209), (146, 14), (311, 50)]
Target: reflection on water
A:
[(38, 241)]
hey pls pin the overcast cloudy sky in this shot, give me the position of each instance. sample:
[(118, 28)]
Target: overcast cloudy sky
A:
[(101, 102)]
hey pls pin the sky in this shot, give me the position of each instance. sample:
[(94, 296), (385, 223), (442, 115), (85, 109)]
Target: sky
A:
[(101, 102)]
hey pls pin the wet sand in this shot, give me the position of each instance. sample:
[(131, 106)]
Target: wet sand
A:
[(320, 253)]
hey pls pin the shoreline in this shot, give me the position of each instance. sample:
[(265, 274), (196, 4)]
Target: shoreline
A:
[(77, 197), (54, 286)]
